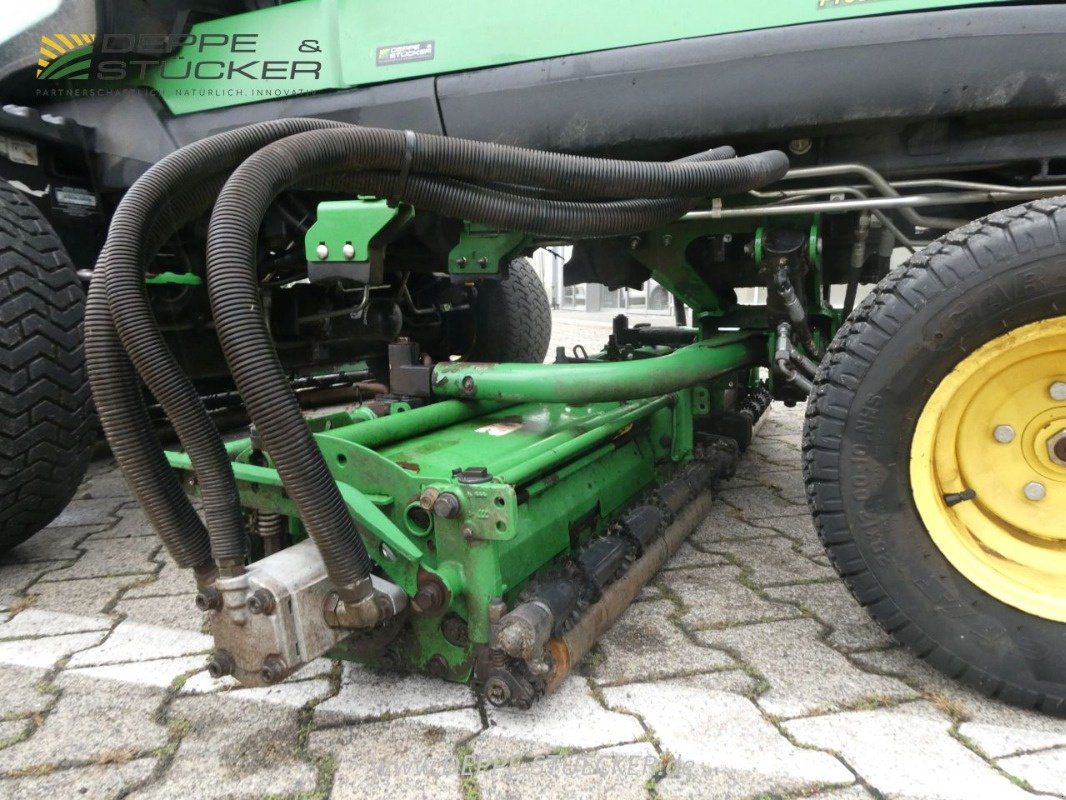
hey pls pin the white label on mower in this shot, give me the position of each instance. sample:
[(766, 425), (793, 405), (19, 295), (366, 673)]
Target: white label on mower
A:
[(18, 151), (500, 428), (73, 196)]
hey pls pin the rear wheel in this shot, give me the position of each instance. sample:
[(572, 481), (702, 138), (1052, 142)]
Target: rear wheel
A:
[(934, 459), (512, 319), (46, 428)]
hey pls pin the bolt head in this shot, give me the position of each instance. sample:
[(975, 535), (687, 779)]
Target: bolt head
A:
[(447, 506), (261, 602), (322, 251), (1035, 491), (1057, 390), (1004, 434), (348, 250), (274, 669)]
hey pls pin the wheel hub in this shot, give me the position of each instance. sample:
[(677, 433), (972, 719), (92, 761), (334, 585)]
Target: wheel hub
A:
[(988, 468)]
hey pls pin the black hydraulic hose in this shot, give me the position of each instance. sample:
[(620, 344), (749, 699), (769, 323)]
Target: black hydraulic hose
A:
[(151, 202), (124, 418), (234, 291)]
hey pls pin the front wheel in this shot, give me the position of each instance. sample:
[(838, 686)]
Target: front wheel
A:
[(46, 426), (935, 454)]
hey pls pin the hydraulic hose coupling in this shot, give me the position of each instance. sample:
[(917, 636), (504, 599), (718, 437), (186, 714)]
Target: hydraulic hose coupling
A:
[(361, 605)]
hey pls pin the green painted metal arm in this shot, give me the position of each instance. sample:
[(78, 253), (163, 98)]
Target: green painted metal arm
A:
[(593, 382)]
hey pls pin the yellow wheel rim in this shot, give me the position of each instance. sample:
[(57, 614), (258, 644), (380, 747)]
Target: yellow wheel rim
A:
[(987, 471)]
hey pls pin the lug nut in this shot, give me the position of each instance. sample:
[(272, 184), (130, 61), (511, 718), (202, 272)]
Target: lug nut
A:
[(221, 665), (1004, 434), (1057, 390), (447, 506), (261, 602), (1035, 491)]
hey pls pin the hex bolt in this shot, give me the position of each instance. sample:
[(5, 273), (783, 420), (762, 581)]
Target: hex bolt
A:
[(430, 597), (274, 669), (221, 665), (1035, 491), (482, 262), (437, 667), (1057, 390), (348, 250), (447, 506), (209, 599), (461, 261), (322, 251), (262, 602), (497, 691), (1004, 434)]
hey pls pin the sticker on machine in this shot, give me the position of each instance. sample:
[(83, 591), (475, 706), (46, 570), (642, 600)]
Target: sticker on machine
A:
[(500, 427), (18, 151), (75, 201), (405, 53)]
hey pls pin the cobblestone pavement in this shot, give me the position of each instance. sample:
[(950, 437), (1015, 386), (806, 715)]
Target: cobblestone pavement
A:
[(745, 670)]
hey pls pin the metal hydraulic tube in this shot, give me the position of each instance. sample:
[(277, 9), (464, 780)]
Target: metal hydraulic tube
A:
[(598, 381)]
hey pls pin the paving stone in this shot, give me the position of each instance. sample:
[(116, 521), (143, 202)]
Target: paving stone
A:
[(996, 728), (760, 502), (158, 672), (713, 597), (366, 694), (569, 718), (646, 644), (34, 622), (108, 482), (723, 746), (724, 523), (413, 757), (11, 730), (1044, 771), (47, 650), (87, 724), (21, 694), (168, 580), (169, 611), (88, 512), (294, 694), (773, 560), (906, 752), (851, 628), (135, 641), (132, 523), (16, 579), (110, 557), (619, 773), (51, 544), (688, 556), (804, 675), (231, 750), (89, 596), (96, 782)]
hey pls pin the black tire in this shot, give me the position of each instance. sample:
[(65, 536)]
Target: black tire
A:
[(513, 321), (46, 425), (970, 287)]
